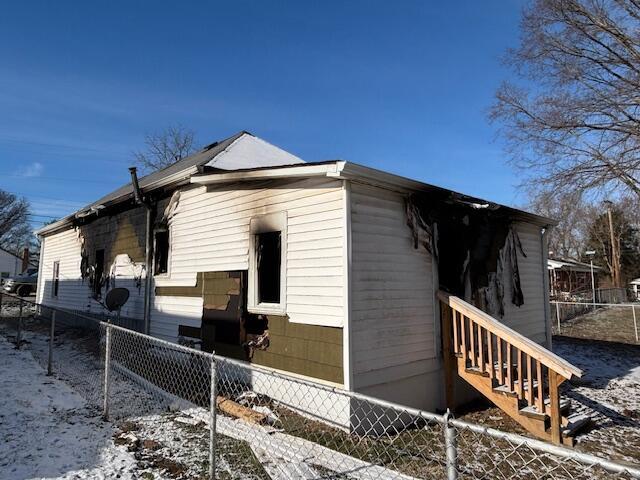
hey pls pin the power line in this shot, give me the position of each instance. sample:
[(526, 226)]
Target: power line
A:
[(41, 216), (57, 145), (57, 179), (81, 203)]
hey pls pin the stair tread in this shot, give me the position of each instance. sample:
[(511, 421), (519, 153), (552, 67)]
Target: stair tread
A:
[(532, 410), (575, 423), (525, 384), (504, 389), (477, 371)]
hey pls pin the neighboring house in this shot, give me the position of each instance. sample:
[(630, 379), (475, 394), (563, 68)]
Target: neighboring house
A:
[(569, 278), (10, 264), (327, 270)]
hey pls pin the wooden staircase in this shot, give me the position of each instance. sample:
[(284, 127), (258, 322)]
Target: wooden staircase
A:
[(518, 375)]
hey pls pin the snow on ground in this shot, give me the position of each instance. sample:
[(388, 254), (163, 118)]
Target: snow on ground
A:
[(610, 391), (46, 429), (55, 430)]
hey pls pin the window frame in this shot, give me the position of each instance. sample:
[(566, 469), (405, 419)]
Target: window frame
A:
[(274, 222), (55, 284), (155, 249)]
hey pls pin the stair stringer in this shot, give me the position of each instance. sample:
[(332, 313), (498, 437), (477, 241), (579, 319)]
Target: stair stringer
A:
[(507, 403)]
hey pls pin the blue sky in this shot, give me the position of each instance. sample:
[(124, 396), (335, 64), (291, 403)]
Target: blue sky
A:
[(401, 86)]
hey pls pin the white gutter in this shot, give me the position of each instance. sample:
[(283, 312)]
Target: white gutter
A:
[(378, 178), (176, 178), (325, 170), (342, 170)]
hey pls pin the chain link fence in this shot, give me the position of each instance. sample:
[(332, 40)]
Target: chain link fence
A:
[(254, 422), (618, 322)]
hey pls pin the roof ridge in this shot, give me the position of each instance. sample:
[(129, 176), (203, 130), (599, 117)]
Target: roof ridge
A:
[(204, 149)]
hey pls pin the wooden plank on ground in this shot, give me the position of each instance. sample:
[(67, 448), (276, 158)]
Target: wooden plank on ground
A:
[(297, 449)]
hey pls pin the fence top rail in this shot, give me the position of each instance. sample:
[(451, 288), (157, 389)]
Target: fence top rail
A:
[(557, 450), (159, 341), (77, 313), (174, 346), (338, 390), (591, 304), (524, 344)]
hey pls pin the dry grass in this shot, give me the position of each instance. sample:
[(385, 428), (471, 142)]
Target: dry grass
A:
[(613, 324)]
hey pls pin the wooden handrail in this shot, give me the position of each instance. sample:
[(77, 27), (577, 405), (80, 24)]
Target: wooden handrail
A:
[(485, 346), (522, 343)]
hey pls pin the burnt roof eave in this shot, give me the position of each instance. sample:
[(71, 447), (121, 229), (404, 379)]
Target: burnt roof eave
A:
[(345, 170)]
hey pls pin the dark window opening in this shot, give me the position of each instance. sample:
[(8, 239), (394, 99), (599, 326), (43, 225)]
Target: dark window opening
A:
[(99, 271), (56, 279), (268, 249), (161, 253)]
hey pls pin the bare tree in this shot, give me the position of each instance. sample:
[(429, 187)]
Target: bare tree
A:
[(14, 224), (574, 122), (165, 148), (574, 216), (616, 243)]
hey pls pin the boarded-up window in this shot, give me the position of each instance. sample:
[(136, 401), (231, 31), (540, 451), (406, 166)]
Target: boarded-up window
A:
[(56, 279), (161, 252), (268, 264)]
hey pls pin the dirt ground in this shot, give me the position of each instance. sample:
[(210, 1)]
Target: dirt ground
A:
[(605, 323), (609, 392)]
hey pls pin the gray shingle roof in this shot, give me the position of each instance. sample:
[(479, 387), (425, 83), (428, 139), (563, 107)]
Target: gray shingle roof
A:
[(185, 165)]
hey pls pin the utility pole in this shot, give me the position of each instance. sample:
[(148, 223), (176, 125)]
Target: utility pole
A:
[(591, 253), (615, 254)]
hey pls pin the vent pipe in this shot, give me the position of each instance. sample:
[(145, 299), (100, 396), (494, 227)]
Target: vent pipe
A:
[(136, 187), (148, 247)]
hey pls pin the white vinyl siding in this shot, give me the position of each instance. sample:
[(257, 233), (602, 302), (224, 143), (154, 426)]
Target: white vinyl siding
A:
[(393, 325), (62, 247), (74, 292), (210, 232)]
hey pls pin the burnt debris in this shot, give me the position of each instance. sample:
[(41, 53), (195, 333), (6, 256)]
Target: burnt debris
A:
[(474, 244)]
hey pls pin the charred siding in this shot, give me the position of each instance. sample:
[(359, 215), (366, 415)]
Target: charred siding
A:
[(210, 232), (528, 319)]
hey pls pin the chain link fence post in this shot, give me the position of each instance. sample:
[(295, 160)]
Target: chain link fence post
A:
[(19, 334), (212, 421), (558, 316), (635, 321), (451, 446), (52, 334), (107, 367), (1, 297)]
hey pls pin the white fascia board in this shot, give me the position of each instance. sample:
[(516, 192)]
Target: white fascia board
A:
[(329, 170), (378, 178), (176, 178), (389, 181)]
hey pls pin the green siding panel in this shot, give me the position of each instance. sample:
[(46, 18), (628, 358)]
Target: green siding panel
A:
[(310, 350)]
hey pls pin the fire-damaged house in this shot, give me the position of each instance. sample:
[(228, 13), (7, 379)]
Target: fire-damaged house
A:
[(328, 270)]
